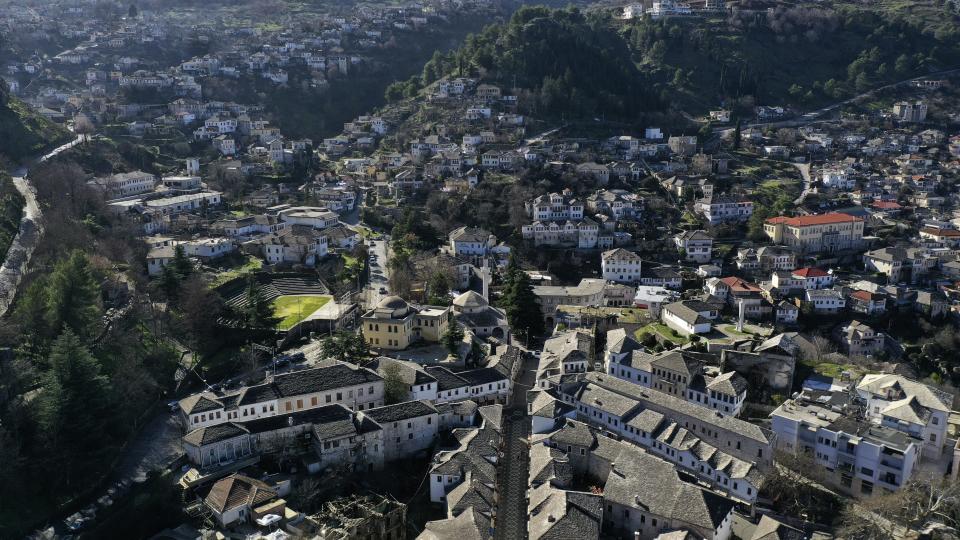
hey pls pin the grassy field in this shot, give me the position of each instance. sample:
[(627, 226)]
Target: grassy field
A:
[(249, 264), (663, 331), (293, 309)]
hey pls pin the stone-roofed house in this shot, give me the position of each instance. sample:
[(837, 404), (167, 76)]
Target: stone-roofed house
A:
[(357, 388), (409, 428), (900, 263), (471, 243), (469, 525), (621, 266), (464, 479), (856, 456), (420, 384), (697, 246), (545, 410), (682, 373), (771, 529), (567, 352), (689, 317), (601, 399), (557, 513), (642, 494), (234, 498), (859, 339), (888, 394)]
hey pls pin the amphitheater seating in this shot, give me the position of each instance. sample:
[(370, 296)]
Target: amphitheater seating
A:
[(272, 286)]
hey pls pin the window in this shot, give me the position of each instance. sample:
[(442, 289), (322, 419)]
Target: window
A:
[(935, 420), (866, 487), (933, 437)]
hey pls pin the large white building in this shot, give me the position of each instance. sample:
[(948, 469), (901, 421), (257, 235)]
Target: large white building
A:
[(621, 266), (353, 387), (722, 209), (559, 220), (906, 405), (856, 456)]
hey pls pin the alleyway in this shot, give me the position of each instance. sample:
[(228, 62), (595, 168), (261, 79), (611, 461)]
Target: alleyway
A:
[(513, 470)]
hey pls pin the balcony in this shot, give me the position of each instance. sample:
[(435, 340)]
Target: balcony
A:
[(894, 465)]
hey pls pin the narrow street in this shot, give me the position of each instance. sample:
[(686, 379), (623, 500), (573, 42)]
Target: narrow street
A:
[(514, 468), (27, 238)]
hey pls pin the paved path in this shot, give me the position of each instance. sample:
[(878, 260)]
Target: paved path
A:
[(27, 238), (814, 116), (513, 469), (804, 169), (154, 448)]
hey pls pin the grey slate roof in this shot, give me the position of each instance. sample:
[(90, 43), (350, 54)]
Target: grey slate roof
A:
[(401, 411)]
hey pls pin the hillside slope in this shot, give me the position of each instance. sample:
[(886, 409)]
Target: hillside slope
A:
[(801, 56), (23, 132), (572, 64)]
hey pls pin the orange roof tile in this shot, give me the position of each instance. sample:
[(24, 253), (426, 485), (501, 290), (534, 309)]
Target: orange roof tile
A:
[(820, 219)]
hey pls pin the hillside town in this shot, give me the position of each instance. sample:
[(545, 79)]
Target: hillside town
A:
[(454, 313)]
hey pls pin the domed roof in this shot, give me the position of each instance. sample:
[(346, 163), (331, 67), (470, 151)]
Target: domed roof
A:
[(392, 302), (469, 299)]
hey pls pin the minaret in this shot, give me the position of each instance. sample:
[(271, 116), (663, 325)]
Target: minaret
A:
[(485, 278), (742, 310)]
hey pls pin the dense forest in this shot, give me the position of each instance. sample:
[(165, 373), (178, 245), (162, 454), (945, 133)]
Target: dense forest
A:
[(573, 63), (570, 62), (802, 56)]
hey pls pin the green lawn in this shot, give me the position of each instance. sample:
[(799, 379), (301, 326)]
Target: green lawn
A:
[(293, 309), (249, 264), (830, 369), (663, 331)]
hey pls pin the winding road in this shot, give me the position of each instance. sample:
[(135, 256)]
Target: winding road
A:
[(814, 116), (31, 229)]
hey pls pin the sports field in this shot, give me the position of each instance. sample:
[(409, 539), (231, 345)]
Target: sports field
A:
[(295, 308)]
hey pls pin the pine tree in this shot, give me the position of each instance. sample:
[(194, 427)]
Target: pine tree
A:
[(73, 407), (394, 387), (31, 316), (73, 296), (345, 346), (523, 307), (170, 282), (181, 263), (258, 312), (453, 337)]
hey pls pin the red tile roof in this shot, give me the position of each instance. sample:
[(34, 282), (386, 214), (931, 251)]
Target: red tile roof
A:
[(936, 231), (886, 205), (810, 272), (820, 219), (866, 296), (739, 285)]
